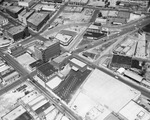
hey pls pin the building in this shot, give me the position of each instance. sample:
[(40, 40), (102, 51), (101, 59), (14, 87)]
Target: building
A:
[(3, 21), (36, 64), (13, 11), (16, 50), (78, 65), (53, 83), (60, 61), (78, 2), (121, 61), (4, 69), (11, 77), (108, 91), (133, 76), (54, 1), (47, 50), (24, 15), (26, 3), (46, 71), (18, 113), (94, 28), (18, 32), (133, 111), (37, 20)]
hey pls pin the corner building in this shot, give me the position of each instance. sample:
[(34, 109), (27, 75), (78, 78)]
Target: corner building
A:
[(48, 50)]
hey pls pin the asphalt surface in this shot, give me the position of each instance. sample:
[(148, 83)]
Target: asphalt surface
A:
[(72, 82)]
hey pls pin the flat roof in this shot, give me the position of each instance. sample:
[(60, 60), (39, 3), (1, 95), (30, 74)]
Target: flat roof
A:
[(25, 1), (10, 75), (25, 116), (133, 75), (47, 69), (133, 111), (111, 117), (29, 97), (78, 62), (45, 45), (38, 105), (36, 100), (4, 67), (14, 113), (42, 108), (14, 9), (63, 38), (62, 57), (36, 63), (16, 29), (37, 18), (54, 82), (109, 91)]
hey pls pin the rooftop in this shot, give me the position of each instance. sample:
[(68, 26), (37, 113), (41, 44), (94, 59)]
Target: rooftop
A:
[(109, 91), (78, 62), (26, 13), (54, 82), (25, 1), (47, 69), (14, 9), (62, 57), (44, 45), (133, 111), (14, 114), (16, 29), (111, 117), (37, 18), (36, 63)]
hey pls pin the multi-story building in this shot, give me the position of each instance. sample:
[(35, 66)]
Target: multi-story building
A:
[(46, 71), (24, 15), (18, 32), (60, 61), (37, 20), (13, 11), (47, 50)]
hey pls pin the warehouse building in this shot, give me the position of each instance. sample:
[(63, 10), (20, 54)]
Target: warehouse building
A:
[(78, 65), (133, 111), (18, 113), (24, 15), (37, 20), (46, 71), (106, 90), (13, 11), (18, 32), (47, 50)]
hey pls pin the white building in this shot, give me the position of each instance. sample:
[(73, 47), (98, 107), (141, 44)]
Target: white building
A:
[(133, 111), (108, 91), (25, 3)]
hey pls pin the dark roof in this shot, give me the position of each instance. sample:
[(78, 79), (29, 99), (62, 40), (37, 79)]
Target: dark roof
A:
[(24, 116), (42, 108), (118, 59), (135, 64), (36, 63), (46, 69)]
